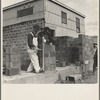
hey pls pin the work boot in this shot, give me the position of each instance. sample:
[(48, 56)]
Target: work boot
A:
[(40, 71), (30, 69)]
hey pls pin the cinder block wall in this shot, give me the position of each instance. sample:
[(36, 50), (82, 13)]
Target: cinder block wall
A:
[(86, 51), (75, 49), (67, 49), (17, 34)]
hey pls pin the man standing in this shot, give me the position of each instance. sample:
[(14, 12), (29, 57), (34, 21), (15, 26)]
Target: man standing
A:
[(33, 49), (95, 58)]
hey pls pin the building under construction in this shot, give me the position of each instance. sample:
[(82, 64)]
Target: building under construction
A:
[(66, 24)]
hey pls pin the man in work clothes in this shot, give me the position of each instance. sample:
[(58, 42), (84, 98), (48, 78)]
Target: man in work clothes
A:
[(33, 49), (95, 58)]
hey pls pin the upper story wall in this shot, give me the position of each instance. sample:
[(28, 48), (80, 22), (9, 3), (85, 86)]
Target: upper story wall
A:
[(52, 15), (53, 20), (10, 15)]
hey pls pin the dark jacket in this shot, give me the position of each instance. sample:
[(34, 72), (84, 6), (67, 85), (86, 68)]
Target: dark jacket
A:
[(95, 58), (30, 41)]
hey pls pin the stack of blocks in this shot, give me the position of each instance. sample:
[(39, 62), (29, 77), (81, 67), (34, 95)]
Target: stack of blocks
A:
[(49, 58), (86, 52), (13, 62)]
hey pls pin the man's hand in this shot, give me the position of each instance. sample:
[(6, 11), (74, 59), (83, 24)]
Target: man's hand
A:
[(36, 48), (33, 48)]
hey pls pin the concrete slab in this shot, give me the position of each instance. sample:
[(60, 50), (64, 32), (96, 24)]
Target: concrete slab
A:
[(29, 78), (49, 77)]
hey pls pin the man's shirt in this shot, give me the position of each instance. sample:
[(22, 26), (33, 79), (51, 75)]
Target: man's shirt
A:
[(32, 41)]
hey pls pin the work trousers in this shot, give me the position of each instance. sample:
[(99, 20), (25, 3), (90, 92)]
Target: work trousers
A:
[(34, 61)]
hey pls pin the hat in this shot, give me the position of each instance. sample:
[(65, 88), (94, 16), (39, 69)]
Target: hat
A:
[(36, 27), (46, 30)]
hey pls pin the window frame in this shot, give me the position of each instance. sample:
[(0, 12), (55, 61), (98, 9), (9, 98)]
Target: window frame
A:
[(27, 13), (63, 17), (77, 25)]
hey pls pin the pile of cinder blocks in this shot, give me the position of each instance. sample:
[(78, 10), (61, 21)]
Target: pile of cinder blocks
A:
[(13, 62)]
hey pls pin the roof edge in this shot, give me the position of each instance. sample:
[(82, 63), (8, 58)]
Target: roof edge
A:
[(67, 7), (17, 4), (55, 1)]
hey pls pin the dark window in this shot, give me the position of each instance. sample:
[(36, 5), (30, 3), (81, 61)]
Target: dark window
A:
[(64, 17), (77, 25), (25, 12)]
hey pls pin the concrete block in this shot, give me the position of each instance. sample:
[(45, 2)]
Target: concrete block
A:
[(65, 73), (76, 77), (77, 70), (13, 64), (8, 57), (12, 50), (53, 54), (63, 64), (12, 71), (46, 54), (49, 67)]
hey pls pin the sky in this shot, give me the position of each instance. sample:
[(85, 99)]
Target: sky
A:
[(87, 7)]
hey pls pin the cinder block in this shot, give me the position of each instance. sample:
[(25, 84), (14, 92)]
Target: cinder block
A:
[(74, 78), (77, 70), (13, 64), (77, 63), (50, 67), (12, 71), (63, 64), (15, 58), (53, 54), (46, 54), (12, 50), (7, 64), (8, 57)]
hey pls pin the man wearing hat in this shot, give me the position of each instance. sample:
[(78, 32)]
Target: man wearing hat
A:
[(33, 49)]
